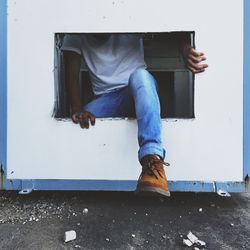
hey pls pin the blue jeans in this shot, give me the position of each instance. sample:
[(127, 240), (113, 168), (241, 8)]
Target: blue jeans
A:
[(139, 98)]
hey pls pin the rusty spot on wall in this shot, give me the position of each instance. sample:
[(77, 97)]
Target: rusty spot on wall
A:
[(1, 177), (247, 182)]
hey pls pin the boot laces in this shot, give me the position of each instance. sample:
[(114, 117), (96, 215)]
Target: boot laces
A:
[(151, 167)]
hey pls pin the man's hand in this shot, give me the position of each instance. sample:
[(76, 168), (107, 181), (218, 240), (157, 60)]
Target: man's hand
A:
[(83, 118), (193, 59)]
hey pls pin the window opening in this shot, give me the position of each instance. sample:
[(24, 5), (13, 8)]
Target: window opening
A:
[(163, 59)]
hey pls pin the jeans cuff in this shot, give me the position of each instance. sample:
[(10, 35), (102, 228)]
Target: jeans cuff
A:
[(151, 149)]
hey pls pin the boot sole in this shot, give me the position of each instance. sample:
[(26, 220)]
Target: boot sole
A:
[(152, 191)]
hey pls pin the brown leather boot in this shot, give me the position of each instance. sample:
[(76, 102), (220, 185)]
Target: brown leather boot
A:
[(152, 181)]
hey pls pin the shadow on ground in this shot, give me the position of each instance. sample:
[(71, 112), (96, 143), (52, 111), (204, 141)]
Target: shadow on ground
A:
[(120, 220)]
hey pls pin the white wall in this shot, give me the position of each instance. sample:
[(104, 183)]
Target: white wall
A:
[(206, 148)]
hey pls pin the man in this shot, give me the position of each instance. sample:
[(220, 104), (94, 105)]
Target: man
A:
[(122, 86)]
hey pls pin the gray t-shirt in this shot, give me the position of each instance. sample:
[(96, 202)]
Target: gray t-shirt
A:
[(111, 62)]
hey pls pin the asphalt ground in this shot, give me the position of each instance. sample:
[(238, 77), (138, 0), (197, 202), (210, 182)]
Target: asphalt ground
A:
[(121, 220)]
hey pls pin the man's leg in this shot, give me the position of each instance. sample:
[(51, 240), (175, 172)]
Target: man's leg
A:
[(152, 180), (118, 103), (144, 90), (141, 95)]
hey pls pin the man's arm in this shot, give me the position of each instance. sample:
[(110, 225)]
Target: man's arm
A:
[(72, 62)]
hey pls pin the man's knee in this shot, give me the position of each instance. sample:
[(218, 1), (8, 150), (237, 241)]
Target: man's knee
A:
[(139, 74), (141, 77)]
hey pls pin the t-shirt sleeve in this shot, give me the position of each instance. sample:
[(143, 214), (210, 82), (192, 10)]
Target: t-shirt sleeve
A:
[(72, 43)]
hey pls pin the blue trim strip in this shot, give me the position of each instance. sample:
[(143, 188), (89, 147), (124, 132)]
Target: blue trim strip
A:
[(107, 185), (246, 129), (12, 184), (3, 81)]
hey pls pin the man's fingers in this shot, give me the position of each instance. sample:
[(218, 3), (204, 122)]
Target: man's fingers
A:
[(204, 66), (197, 59), (195, 53), (84, 119), (196, 71), (92, 119), (193, 65), (75, 118), (196, 66)]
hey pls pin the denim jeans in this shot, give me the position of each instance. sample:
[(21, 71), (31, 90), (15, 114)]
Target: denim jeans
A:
[(139, 98)]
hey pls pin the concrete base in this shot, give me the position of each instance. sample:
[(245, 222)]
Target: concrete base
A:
[(120, 220)]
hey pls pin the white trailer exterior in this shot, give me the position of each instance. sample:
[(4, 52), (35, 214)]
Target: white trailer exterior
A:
[(205, 152)]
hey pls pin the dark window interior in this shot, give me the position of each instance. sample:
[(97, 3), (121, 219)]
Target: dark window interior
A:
[(164, 60)]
